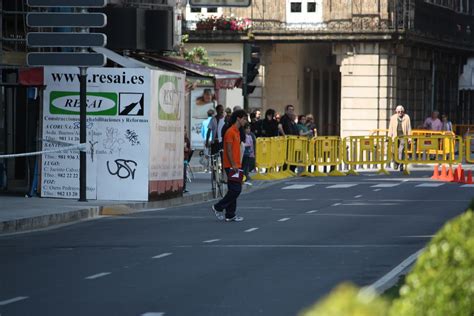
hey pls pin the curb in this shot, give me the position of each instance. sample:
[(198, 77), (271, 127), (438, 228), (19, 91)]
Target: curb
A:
[(391, 278), (43, 221)]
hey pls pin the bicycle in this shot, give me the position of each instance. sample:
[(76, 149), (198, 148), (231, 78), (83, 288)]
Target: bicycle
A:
[(217, 175)]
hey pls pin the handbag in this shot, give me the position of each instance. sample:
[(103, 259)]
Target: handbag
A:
[(236, 176)]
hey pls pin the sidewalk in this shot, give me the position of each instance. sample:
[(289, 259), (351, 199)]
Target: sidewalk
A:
[(19, 213)]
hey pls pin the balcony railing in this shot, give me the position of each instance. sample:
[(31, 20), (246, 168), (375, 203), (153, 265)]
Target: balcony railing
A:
[(416, 17)]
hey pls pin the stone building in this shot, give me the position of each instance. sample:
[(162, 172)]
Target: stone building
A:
[(350, 62)]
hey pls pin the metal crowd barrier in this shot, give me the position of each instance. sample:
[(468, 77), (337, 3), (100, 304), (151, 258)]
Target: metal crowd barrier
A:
[(296, 152), (427, 149), (279, 150), (367, 150), (324, 151), (275, 155), (469, 144), (263, 160)]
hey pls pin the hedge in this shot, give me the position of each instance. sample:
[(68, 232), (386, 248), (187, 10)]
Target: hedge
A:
[(441, 283)]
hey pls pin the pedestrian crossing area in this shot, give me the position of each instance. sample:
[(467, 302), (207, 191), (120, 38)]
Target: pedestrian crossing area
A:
[(376, 186)]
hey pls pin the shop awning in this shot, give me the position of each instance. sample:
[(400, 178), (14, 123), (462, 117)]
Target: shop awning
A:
[(223, 79)]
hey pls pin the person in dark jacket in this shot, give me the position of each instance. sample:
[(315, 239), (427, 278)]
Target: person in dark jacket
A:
[(268, 126), (287, 123)]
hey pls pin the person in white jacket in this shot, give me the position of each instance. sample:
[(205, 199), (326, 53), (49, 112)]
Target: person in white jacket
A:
[(400, 125)]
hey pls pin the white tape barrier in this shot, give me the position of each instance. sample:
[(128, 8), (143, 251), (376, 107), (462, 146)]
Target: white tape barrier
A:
[(80, 147)]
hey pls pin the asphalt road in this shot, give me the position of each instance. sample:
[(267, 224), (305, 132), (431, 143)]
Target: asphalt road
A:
[(299, 239)]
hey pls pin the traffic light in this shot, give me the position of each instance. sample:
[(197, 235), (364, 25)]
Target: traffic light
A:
[(253, 62)]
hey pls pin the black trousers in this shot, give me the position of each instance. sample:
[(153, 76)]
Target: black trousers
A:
[(229, 201)]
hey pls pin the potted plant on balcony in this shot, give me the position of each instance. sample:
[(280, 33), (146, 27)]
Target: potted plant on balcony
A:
[(223, 23)]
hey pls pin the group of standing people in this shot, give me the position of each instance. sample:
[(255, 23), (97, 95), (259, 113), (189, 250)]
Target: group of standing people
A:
[(288, 124), (433, 123)]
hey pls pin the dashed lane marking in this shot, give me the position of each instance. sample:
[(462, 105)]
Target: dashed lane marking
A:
[(153, 314), (13, 300), (251, 229), (377, 190), (98, 275), (357, 196), (210, 241), (304, 200), (297, 186), (336, 204), (166, 254), (369, 204), (311, 212), (418, 236), (341, 186), (467, 186), (429, 185), (284, 219), (385, 185)]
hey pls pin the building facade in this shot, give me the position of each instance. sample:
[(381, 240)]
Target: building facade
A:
[(350, 62)]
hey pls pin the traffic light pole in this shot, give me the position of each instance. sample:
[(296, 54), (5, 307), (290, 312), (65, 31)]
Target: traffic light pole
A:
[(83, 133)]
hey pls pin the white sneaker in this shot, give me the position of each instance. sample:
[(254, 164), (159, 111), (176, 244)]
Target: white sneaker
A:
[(219, 215), (235, 219)]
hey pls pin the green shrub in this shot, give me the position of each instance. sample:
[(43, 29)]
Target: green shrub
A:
[(442, 281), (347, 300)]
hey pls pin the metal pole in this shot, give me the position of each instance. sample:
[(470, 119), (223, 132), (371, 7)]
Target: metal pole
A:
[(82, 133), (82, 123)]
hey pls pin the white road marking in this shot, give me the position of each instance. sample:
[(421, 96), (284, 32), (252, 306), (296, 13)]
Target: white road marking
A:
[(257, 207), (311, 212), (467, 186), (98, 275), (336, 204), (251, 229), (429, 185), (284, 219), (280, 199), (377, 190), (415, 200), (341, 186), (310, 246), (385, 185), (166, 254), (355, 215), (390, 278), (210, 241), (369, 204), (357, 196), (297, 186), (153, 314), (303, 199), (13, 300)]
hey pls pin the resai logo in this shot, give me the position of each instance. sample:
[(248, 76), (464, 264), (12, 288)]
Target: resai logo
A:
[(168, 98), (98, 103)]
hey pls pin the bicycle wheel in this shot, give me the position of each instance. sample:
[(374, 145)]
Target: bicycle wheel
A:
[(221, 178), (214, 177), (219, 182)]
